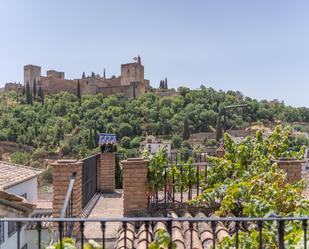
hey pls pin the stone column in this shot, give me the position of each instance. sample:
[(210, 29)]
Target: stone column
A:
[(62, 173), (135, 196), (107, 172), (295, 169)]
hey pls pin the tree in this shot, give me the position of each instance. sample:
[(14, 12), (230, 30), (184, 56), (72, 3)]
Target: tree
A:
[(78, 93), (186, 131), (42, 98), (34, 89), (219, 132), (176, 141), (28, 94), (125, 142), (161, 84), (83, 76), (165, 84), (40, 92), (249, 183)]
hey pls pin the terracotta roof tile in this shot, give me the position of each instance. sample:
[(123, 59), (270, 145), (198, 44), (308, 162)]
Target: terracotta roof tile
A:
[(16, 202), (12, 174), (202, 233)]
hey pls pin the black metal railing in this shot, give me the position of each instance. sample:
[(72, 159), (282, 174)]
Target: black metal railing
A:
[(172, 158), (89, 178), (181, 157), (197, 232), (178, 183)]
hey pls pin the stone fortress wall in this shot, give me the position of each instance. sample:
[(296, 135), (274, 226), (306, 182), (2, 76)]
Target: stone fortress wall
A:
[(131, 82)]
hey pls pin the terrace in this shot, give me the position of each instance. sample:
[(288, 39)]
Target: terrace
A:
[(122, 202)]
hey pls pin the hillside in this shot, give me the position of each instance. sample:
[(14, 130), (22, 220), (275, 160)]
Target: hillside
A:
[(43, 126)]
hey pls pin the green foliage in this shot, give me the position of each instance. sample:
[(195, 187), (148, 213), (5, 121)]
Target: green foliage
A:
[(246, 182), (28, 94), (125, 142), (219, 133), (78, 91), (156, 165), (22, 158), (176, 141), (162, 240), (69, 243), (186, 129), (44, 126)]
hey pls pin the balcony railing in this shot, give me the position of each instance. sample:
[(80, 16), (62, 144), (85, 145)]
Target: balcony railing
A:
[(179, 183), (190, 225)]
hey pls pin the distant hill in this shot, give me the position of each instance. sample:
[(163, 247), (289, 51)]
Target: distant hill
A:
[(43, 126)]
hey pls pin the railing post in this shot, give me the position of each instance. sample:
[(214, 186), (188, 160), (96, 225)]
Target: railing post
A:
[(281, 234), (135, 195), (107, 170)]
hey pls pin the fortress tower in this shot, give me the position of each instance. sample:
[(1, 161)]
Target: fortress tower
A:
[(31, 72), (132, 72)]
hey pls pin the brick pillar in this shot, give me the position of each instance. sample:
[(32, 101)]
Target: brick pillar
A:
[(62, 172), (220, 151), (107, 172), (295, 169), (134, 185)]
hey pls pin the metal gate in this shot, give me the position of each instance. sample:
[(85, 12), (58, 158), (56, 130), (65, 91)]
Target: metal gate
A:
[(89, 178)]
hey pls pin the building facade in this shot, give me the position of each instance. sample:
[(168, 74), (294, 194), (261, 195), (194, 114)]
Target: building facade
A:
[(131, 81), (153, 144), (18, 198)]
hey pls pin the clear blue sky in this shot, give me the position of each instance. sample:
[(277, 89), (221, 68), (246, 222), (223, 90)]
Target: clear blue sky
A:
[(258, 47)]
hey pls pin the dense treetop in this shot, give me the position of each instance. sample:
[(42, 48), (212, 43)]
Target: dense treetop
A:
[(43, 126)]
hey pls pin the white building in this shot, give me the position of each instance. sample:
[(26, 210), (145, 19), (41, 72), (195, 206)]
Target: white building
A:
[(18, 198), (153, 144)]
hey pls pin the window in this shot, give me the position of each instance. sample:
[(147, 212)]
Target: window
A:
[(11, 228), (24, 195), (1, 232)]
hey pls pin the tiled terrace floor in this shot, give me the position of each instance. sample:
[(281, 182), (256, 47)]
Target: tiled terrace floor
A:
[(108, 206)]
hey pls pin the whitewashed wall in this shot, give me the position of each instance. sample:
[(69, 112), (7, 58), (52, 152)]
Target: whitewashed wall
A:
[(29, 187)]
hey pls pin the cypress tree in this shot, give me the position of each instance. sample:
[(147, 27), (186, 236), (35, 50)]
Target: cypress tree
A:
[(83, 76), (41, 95), (28, 94), (42, 98), (186, 130), (78, 90), (34, 89), (165, 84), (161, 84), (219, 133), (40, 92)]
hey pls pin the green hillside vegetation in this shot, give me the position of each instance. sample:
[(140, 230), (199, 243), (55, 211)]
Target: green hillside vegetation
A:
[(43, 124)]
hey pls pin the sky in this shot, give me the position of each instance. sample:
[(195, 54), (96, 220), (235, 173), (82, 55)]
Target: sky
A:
[(260, 48)]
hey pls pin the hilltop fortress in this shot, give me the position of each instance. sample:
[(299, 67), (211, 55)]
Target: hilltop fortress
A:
[(131, 81)]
